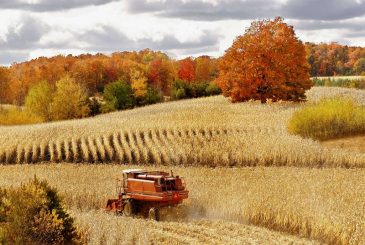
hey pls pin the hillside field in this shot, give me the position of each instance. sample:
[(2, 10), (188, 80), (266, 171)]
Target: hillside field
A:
[(250, 181), (200, 132)]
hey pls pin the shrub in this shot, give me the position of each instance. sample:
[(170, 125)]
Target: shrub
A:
[(213, 89), (152, 96), (16, 116), (199, 89), (94, 106), (70, 100), (182, 89), (178, 94), (118, 96), (39, 99), (329, 118), (32, 214)]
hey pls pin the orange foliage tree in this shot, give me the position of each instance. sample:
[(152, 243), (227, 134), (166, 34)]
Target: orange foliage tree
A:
[(186, 70), (203, 68), (4, 84), (267, 62), (161, 74)]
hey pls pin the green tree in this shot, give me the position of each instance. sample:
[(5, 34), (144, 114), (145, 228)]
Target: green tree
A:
[(39, 99), (70, 100), (118, 96)]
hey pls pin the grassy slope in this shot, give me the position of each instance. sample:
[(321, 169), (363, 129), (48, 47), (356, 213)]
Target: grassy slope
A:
[(207, 131)]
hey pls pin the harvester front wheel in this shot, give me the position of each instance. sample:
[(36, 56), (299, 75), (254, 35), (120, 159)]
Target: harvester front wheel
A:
[(154, 214), (129, 208)]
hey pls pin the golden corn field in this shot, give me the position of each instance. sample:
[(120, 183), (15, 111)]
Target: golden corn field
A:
[(229, 155), (322, 204), (200, 132)]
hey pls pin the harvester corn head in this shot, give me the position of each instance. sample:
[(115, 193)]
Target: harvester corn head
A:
[(145, 192)]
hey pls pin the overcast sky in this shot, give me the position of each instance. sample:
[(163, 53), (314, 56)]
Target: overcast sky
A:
[(33, 28)]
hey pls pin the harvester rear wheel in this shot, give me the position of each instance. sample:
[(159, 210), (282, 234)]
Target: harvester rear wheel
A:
[(154, 214), (129, 208)]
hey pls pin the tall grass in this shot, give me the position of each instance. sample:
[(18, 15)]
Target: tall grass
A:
[(17, 116), (329, 118)]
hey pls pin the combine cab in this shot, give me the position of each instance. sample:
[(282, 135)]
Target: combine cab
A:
[(145, 192)]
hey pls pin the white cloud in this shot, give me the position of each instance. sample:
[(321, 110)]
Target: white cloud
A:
[(79, 26)]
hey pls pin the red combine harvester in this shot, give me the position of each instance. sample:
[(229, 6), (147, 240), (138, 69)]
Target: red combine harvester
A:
[(145, 192)]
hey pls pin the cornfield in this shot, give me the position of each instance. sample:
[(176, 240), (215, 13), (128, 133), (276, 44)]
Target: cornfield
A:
[(326, 204), (200, 132), (244, 199)]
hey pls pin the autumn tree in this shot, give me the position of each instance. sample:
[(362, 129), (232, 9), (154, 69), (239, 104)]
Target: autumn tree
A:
[(360, 66), (4, 84), (70, 100), (186, 70), (203, 69), (161, 74), (267, 62), (139, 83), (39, 99)]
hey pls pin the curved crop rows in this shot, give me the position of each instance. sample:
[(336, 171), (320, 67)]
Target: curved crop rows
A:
[(189, 146), (208, 131)]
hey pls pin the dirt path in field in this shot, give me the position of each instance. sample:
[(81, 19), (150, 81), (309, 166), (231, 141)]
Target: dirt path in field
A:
[(354, 143)]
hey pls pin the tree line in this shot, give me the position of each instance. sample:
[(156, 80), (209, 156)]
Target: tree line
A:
[(335, 60), (141, 70), (150, 69)]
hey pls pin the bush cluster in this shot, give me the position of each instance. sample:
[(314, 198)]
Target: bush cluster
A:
[(32, 214), (184, 90), (119, 95), (329, 118)]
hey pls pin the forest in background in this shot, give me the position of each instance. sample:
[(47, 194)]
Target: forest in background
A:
[(153, 69)]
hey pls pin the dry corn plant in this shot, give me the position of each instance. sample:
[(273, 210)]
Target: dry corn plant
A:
[(326, 205), (200, 132)]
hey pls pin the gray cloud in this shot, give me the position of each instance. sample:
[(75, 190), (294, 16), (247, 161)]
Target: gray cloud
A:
[(20, 39), (319, 25), (9, 57), (198, 10), (250, 9), (26, 36), (109, 39), (50, 5), (324, 9)]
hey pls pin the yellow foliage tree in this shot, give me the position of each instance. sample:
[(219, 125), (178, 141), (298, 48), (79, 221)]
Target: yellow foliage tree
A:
[(139, 83), (70, 100)]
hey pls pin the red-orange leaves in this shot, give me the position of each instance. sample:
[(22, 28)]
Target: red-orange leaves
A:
[(186, 70), (268, 62)]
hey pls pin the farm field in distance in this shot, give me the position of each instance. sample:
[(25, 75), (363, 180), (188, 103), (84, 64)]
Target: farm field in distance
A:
[(266, 186)]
